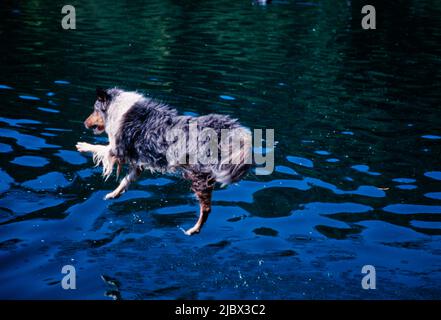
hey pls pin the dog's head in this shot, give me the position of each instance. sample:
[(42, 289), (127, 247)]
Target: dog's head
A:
[(96, 120)]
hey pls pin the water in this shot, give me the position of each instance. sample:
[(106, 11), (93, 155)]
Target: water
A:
[(358, 173)]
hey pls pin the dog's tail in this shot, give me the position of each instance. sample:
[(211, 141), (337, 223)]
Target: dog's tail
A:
[(236, 156)]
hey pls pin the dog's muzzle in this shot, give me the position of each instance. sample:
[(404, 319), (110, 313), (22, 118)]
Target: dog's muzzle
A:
[(97, 129)]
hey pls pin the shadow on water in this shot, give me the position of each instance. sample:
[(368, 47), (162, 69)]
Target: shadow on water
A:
[(357, 178)]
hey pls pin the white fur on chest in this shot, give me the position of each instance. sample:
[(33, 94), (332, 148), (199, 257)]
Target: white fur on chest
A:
[(121, 104)]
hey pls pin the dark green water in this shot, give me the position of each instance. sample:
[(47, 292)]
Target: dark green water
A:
[(356, 116)]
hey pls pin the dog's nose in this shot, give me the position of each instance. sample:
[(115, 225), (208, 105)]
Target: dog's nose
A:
[(86, 125)]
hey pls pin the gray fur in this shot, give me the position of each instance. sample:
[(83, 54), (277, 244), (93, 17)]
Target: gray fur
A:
[(141, 140)]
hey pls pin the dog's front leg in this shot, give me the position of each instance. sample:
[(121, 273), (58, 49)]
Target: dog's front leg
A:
[(124, 185), (87, 147), (101, 155)]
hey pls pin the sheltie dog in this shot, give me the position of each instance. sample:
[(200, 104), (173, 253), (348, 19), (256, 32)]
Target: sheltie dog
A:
[(150, 135)]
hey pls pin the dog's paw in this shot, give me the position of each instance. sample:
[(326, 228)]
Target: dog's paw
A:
[(83, 147), (112, 195), (192, 231)]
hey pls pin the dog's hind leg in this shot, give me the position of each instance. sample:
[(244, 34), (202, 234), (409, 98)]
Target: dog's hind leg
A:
[(124, 185), (204, 196)]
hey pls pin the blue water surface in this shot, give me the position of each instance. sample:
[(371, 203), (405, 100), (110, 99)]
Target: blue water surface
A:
[(357, 171)]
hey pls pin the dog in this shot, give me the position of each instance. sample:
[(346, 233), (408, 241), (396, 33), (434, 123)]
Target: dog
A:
[(139, 132)]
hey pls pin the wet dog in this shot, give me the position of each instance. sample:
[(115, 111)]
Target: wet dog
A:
[(149, 135)]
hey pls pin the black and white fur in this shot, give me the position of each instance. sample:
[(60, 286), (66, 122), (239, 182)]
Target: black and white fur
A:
[(137, 129)]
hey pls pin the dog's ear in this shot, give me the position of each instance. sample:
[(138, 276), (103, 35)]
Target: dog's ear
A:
[(102, 95)]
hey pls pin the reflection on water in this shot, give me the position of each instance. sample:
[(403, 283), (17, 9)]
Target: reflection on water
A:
[(357, 178)]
